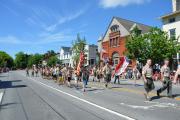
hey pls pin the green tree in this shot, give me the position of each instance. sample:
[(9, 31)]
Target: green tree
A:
[(78, 46), (155, 45), (35, 59), (6, 60), (49, 54), (21, 60), (52, 61)]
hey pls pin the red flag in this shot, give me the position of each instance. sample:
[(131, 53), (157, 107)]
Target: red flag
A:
[(81, 61)]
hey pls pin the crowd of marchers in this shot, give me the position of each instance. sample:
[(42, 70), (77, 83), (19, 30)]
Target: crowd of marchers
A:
[(103, 73)]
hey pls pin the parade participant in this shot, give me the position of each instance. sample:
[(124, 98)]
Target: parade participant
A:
[(135, 74), (64, 73), (177, 75), (147, 73), (57, 73), (76, 77), (60, 78), (94, 72), (69, 76), (32, 73), (27, 72), (84, 77), (116, 78), (98, 74), (101, 73), (36, 71), (165, 78), (54, 73), (107, 74)]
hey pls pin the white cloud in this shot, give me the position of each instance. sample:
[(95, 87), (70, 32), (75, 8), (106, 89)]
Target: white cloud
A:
[(115, 3), (43, 38), (64, 19), (10, 40), (46, 38)]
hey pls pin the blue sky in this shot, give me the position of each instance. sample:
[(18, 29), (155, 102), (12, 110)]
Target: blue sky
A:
[(35, 26)]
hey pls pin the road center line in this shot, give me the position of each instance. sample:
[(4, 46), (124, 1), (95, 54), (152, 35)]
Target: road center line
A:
[(85, 101)]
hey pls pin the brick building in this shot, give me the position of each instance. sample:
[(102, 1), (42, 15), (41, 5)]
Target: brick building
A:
[(113, 42)]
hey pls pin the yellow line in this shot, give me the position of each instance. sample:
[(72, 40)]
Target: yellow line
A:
[(130, 91)]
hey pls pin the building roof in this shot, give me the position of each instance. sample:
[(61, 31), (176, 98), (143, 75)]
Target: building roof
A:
[(128, 24), (170, 14), (66, 49)]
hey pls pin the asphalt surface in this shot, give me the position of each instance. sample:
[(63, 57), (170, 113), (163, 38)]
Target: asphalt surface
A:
[(32, 98)]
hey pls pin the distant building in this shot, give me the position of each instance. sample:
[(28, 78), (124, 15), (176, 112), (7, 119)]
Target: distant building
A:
[(171, 22), (91, 52), (112, 45), (65, 56)]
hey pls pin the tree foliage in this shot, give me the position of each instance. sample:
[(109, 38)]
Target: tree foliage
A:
[(78, 46), (155, 44), (49, 54), (35, 59), (21, 60), (52, 61), (6, 60)]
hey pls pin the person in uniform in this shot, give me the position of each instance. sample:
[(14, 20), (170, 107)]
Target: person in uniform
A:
[(177, 75), (165, 78), (147, 74), (107, 74)]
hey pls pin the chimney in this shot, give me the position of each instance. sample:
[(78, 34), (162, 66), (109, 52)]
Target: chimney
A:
[(176, 5)]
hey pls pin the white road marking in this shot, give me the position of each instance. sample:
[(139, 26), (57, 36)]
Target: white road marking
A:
[(1, 96), (85, 101), (152, 107)]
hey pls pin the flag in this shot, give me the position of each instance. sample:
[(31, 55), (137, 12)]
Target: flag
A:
[(121, 67), (102, 51), (81, 61)]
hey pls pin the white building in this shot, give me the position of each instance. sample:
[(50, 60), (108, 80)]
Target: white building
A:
[(171, 21), (65, 56)]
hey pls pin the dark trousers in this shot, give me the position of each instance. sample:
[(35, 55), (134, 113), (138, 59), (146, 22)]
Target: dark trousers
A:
[(116, 78), (167, 84)]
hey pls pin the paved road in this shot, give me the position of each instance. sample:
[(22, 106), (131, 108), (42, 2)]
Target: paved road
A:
[(32, 98)]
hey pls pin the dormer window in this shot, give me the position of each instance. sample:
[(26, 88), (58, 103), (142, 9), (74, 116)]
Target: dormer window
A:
[(114, 28), (171, 20)]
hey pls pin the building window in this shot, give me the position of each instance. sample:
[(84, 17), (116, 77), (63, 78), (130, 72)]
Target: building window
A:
[(172, 33), (171, 20), (110, 42), (114, 42), (114, 28)]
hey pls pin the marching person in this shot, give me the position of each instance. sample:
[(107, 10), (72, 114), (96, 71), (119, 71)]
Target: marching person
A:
[(84, 77), (69, 76), (107, 74), (165, 78), (147, 73), (64, 73), (135, 74), (32, 73), (27, 72), (36, 71), (116, 78), (94, 72), (177, 75)]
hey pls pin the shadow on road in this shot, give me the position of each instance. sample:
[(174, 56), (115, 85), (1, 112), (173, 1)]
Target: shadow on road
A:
[(7, 105), (9, 84)]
